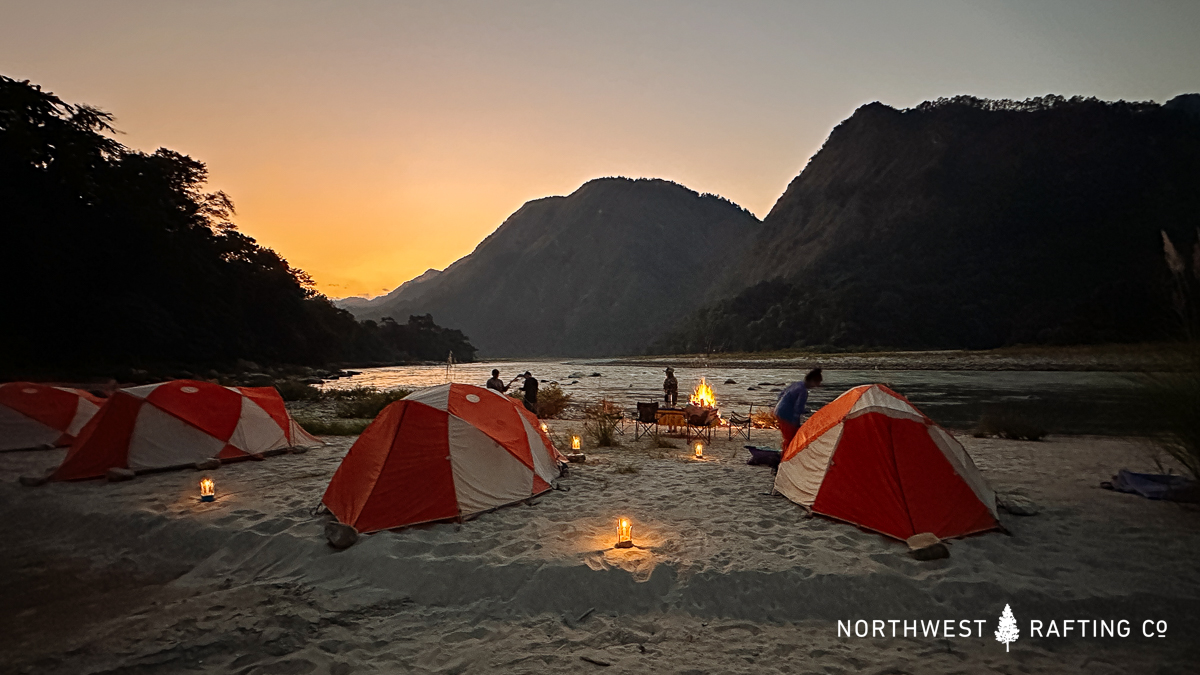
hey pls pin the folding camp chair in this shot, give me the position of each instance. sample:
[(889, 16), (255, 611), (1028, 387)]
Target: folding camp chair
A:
[(741, 424), (702, 425), (646, 420)]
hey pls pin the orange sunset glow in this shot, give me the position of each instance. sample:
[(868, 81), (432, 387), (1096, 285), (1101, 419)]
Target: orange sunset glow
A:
[(367, 142)]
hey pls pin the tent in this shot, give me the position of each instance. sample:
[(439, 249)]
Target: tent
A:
[(872, 459), (442, 452), (37, 415), (178, 423)]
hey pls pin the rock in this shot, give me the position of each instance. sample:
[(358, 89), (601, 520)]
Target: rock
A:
[(340, 536), (33, 481), (259, 379), (208, 464), (595, 375), (575, 374), (926, 546), (751, 388), (731, 381), (577, 458), (118, 475), (311, 380), (257, 457), (1018, 505), (352, 373), (244, 366), (298, 450)]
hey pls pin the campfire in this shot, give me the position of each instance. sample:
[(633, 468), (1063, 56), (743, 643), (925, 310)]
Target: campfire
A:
[(703, 396)]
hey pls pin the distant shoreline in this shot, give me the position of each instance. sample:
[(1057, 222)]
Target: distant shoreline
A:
[(1159, 357)]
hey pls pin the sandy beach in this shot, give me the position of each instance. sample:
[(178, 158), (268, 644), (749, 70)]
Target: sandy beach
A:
[(142, 577)]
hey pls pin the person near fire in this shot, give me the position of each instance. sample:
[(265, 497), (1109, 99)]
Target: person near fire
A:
[(496, 383), (530, 387), (671, 388), (792, 405)]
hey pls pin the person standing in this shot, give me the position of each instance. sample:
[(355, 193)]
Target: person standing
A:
[(671, 388), (792, 405), (530, 388), (496, 383)]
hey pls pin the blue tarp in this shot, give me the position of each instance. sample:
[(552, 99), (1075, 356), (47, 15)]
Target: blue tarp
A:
[(1155, 485)]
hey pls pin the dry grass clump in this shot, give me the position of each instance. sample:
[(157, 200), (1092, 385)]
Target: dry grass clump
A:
[(764, 419), (552, 401), (603, 420), (1008, 422), (326, 427), (369, 403), (295, 390)]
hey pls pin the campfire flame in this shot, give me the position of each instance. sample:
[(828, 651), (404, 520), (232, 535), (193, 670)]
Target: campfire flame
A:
[(703, 396)]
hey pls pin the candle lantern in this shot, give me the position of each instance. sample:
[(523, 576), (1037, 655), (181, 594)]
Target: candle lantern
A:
[(208, 490), (574, 442), (624, 533), (699, 451), (545, 429)]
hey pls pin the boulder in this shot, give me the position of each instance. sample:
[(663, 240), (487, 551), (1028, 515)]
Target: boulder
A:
[(575, 374), (311, 380), (339, 535), (731, 381), (118, 475), (1018, 505), (208, 464), (34, 481), (258, 379)]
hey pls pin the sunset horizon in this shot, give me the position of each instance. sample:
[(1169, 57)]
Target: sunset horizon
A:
[(368, 146)]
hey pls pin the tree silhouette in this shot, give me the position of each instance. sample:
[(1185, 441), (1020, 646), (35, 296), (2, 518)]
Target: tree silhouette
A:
[(119, 258)]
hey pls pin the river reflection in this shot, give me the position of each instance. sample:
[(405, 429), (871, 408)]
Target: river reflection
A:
[(1068, 402)]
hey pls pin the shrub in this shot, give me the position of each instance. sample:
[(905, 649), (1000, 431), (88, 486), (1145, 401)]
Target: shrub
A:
[(1175, 410), (552, 401), (1010, 423), (324, 427), (295, 390), (353, 393), (765, 419), (370, 405), (603, 419)]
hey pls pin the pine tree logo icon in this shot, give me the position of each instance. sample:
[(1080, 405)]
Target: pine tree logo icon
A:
[(1007, 632)]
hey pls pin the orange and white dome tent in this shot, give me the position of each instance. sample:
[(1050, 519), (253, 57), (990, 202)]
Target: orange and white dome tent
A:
[(178, 423), (872, 459), (443, 452), (38, 415)]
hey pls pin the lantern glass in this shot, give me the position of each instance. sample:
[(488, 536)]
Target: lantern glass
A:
[(545, 428), (699, 450), (624, 533), (208, 490), (574, 442)]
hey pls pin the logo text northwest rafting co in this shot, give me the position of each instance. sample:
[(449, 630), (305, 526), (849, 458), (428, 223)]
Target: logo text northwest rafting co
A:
[(1007, 630)]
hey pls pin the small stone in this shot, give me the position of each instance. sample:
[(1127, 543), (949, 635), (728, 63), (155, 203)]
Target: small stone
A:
[(926, 546), (577, 458), (731, 381), (298, 450), (33, 481), (208, 464), (118, 474), (340, 535)]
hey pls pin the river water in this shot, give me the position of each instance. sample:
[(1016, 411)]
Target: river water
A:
[(1068, 402)]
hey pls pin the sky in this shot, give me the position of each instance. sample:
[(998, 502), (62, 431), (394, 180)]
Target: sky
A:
[(369, 141)]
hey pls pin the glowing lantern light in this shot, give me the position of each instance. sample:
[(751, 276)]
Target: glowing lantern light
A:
[(624, 533), (699, 451), (208, 490), (545, 429), (574, 442)]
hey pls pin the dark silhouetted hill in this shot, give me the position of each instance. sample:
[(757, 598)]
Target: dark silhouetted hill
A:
[(966, 223), (603, 271)]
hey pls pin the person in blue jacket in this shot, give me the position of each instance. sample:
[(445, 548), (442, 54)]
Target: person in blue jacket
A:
[(791, 407)]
